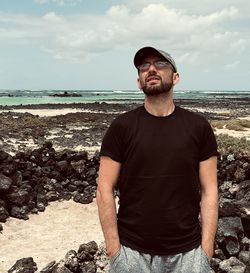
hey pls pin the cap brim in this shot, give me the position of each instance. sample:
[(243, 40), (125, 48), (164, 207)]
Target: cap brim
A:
[(142, 53), (147, 51)]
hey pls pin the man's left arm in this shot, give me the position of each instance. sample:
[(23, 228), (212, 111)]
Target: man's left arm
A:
[(209, 203)]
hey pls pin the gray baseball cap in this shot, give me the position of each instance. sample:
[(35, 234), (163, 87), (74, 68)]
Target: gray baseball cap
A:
[(142, 53)]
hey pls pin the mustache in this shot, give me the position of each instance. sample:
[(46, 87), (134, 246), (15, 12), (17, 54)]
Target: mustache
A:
[(150, 76)]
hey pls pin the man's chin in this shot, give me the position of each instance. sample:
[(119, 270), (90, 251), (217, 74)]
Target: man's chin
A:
[(156, 89), (153, 91)]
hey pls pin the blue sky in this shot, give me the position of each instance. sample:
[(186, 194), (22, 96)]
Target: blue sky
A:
[(90, 44)]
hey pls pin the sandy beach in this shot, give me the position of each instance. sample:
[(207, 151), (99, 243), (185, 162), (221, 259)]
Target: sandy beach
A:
[(47, 236), (65, 225)]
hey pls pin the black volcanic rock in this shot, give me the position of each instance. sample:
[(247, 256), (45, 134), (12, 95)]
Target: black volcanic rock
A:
[(71, 261), (25, 265), (43, 175), (87, 267), (82, 261), (65, 94), (5, 183), (33, 179), (3, 213), (83, 198), (20, 212), (244, 256), (87, 251), (232, 265), (57, 268), (18, 197), (230, 230)]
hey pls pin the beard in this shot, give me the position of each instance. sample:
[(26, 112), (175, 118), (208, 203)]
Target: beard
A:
[(156, 89)]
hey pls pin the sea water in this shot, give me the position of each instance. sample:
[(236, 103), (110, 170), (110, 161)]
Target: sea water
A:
[(25, 97)]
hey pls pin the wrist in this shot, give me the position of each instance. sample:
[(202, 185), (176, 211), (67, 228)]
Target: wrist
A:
[(113, 248), (208, 249)]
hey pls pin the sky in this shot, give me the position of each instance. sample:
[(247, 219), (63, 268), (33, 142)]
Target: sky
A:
[(90, 44)]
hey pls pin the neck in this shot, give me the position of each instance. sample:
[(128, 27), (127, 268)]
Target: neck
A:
[(161, 105)]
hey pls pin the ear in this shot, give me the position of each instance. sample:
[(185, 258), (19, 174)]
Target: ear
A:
[(176, 78), (139, 83)]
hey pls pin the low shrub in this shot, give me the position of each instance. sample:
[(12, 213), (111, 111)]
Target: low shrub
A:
[(228, 144), (233, 124)]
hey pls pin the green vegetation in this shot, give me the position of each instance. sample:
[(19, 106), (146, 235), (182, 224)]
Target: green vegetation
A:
[(233, 124), (228, 144)]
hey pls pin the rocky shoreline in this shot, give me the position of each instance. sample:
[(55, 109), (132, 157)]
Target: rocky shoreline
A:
[(84, 130), (29, 181), (87, 259), (49, 158)]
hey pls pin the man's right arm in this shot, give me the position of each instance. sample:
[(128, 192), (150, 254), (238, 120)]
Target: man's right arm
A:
[(108, 175)]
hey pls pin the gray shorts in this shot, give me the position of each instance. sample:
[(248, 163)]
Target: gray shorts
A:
[(128, 260)]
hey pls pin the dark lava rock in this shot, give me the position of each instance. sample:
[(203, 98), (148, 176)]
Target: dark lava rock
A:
[(81, 156), (244, 188), (40, 206), (215, 262), (240, 174), (218, 253), (4, 156), (18, 197), (63, 166), (52, 196), (32, 179), (101, 259), (5, 183), (82, 198), (3, 214), (8, 167), (25, 265), (20, 212), (88, 267), (87, 251), (79, 166), (244, 256), (71, 261), (227, 207), (17, 178), (245, 244), (232, 265), (230, 230), (60, 268)]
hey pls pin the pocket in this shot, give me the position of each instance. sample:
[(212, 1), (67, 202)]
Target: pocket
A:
[(205, 257), (205, 254), (113, 258)]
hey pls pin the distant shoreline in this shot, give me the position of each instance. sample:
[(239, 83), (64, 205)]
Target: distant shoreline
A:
[(213, 102), (29, 97)]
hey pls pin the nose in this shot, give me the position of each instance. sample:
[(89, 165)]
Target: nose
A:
[(152, 67)]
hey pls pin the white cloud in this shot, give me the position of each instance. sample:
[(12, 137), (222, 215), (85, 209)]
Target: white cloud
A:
[(193, 6), (192, 38), (53, 17), (232, 66), (118, 12), (41, 1), (59, 2)]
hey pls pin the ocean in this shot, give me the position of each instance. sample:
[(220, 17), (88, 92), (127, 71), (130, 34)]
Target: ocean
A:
[(26, 97)]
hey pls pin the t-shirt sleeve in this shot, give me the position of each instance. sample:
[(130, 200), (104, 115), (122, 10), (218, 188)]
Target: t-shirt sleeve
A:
[(112, 144), (208, 145)]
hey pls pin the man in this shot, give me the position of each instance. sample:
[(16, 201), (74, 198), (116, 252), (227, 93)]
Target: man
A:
[(162, 159)]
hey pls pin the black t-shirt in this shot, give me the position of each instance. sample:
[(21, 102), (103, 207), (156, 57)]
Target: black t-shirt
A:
[(159, 179)]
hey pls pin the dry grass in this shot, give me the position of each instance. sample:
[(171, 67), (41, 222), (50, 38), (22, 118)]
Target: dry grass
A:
[(233, 124), (228, 144)]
